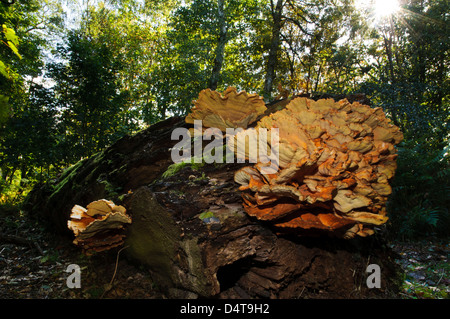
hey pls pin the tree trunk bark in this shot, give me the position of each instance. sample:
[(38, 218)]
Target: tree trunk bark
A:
[(191, 232), (218, 60), (198, 242), (272, 59), (388, 49)]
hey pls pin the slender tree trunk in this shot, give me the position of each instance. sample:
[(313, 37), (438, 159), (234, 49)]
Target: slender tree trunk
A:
[(274, 45), (439, 93), (318, 78), (308, 80), (218, 60), (388, 49)]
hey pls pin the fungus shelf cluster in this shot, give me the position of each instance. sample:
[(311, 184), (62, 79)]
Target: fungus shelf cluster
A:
[(231, 109), (99, 226), (335, 160)]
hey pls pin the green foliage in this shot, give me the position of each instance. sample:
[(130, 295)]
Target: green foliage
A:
[(3, 107), (128, 64), (173, 169), (420, 202), (91, 96), (11, 40)]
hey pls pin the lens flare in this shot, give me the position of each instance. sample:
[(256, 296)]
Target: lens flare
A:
[(384, 8), (379, 8)]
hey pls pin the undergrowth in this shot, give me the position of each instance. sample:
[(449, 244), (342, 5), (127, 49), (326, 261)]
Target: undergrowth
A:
[(419, 204)]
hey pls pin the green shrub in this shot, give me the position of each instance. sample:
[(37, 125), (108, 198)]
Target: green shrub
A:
[(419, 204)]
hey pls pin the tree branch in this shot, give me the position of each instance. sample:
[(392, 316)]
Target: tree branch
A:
[(298, 24), (20, 241)]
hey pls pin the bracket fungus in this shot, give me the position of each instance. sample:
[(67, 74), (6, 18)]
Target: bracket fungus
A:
[(333, 162), (334, 166), (227, 110), (99, 226)]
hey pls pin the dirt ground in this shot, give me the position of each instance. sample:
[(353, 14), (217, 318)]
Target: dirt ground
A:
[(33, 264)]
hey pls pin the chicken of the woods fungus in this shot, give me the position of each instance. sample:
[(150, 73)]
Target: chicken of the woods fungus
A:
[(99, 226), (335, 160), (231, 109)]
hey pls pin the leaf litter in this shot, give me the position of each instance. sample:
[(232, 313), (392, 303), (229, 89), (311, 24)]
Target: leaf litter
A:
[(426, 268), (29, 272), (35, 268)]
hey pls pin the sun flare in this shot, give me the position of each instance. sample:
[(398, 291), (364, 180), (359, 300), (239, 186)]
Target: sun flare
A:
[(380, 8), (385, 8)]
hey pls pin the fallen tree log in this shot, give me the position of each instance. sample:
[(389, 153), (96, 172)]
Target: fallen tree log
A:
[(199, 242), (191, 230)]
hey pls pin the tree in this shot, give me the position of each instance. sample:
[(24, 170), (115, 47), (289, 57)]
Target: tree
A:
[(90, 95), (410, 76), (303, 34), (206, 44), (276, 11), (29, 140), (218, 60), (26, 125)]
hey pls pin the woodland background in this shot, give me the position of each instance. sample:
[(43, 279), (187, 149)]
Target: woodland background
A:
[(78, 75)]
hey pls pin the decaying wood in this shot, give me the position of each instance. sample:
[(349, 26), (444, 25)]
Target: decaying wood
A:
[(193, 232), (98, 227), (198, 241)]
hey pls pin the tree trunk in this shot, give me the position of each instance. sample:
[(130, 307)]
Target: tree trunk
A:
[(198, 242), (388, 49), (272, 59), (389, 54), (192, 233), (218, 60)]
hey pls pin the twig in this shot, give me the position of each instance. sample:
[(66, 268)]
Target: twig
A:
[(301, 293), (21, 241), (109, 286), (443, 272), (117, 262)]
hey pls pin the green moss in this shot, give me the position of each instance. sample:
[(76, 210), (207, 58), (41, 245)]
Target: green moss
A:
[(152, 235), (156, 241), (72, 168), (201, 178), (176, 167), (206, 215), (68, 175), (173, 169)]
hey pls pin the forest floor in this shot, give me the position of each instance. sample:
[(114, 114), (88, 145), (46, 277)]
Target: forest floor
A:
[(33, 263)]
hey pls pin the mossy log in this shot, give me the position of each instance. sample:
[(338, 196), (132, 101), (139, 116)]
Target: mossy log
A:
[(192, 232), (131, 162), (198, 241)]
